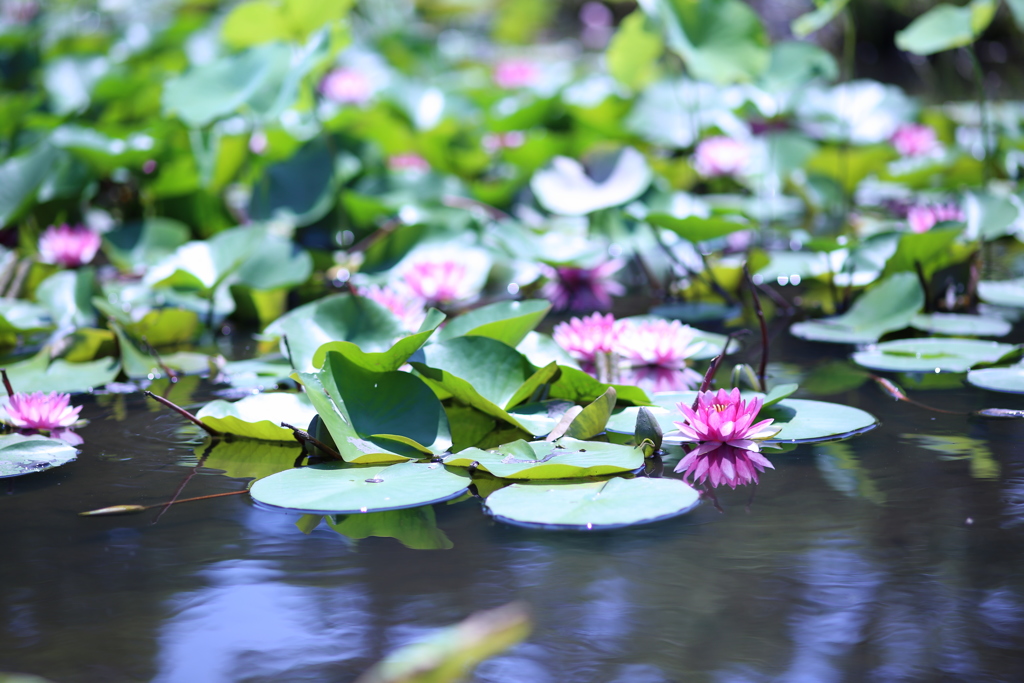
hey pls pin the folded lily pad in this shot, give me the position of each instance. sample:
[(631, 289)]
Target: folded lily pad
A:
[(1007, 380), (800, 420), (596, 505), (932, 355), (24, 454), (342, 489), (259, 416), (564, 458)]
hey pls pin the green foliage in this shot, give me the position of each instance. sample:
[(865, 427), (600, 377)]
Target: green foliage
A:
[(945, 27), (21, 454), (634, 52)]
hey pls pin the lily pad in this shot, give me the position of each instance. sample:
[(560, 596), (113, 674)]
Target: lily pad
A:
[(564, 458), (799, 420), (341, 489), (259, 416), (384, 361), (932, 355), (540, 418), (505, 321), (24, 454), (888, 306), (597, 505), (1007, 380), (38, 373), (1002, 293), (954, 324)]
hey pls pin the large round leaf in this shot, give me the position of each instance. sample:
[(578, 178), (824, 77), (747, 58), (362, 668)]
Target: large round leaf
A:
[(21, 454), (259, 416), (1008, 380), (595, 505), (931, 355), (799, 420), (341, 489), (562, 459)]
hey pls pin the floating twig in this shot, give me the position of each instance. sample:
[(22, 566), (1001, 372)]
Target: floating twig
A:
[(132, 509)]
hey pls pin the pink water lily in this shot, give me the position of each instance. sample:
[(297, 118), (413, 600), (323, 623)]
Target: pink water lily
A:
[(515, 73), (406, 306), (440, 282), (412, 163), (68, 246), (915, 140), (41, 411), (923, 218), (720, 156), (724, 464), (667, 343), (583, 289), (585, 338), (346, 86)]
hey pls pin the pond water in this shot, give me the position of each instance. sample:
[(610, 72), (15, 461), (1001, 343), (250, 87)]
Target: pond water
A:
[(893, 556)]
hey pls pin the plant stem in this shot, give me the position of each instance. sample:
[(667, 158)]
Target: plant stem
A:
[(7, 383), (763, 368), (983, 114), (184, 413), (128, 509)]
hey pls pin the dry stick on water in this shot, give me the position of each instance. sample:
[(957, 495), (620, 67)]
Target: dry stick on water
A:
[(304, 437), (187, 415), (763, 368), (130, 509)]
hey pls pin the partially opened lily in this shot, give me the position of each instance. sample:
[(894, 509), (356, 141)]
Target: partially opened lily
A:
[(728, 448)]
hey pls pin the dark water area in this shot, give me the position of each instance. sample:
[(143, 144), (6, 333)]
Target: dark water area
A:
[(892, 556)]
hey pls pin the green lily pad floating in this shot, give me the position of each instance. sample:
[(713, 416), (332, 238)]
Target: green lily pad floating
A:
[(1007, 380), (954, 324), (888, 306), (800, 420), (339, 489), (1008, 293), (38, 373), (596, 505), (259, 416), (24, 454), (932, 355), (561, 459)]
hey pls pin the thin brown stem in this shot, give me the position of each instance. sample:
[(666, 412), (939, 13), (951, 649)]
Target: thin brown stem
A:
[(184, 482), (185, 414), (304, 437), (763, 368), (128, 509), (7, 383)]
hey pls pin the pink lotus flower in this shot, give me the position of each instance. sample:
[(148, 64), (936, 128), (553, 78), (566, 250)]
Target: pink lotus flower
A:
[(720, 156), (407, 307), (923, 218), (583, 289), (915, 140), (493, 142), (346, 86), (68, 246), (19, 11), (658, 342), (408, 162), (41, 411), (724, 464), (440, 282), (515, 73), (584, 338)]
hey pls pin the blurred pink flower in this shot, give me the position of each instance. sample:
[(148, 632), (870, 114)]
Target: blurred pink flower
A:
[(914, 140), (492, 142), (724, 464), (515, 73), (440, 282), (258, 142), (41, 411), (584, 338), (19, 11), (583, 289), (406, 306), (408, 162), (723, 417), (68, 246), (346, 86), (923, 218), (657, 342), (654, 379), (720, 155), (149, 166)]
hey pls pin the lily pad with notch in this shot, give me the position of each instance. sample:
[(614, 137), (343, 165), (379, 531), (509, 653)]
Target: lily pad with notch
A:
[(336, 488), (592, 506), (948, 354), (565, 458)]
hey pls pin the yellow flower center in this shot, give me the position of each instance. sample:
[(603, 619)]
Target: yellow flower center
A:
[(719, 407)]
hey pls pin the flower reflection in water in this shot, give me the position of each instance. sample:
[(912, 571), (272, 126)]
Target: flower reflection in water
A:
[(654, 379)]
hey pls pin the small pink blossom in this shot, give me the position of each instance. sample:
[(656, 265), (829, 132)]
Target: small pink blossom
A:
[(724, 464), (720, 156), (923, 218), (68, 246), (19, 11), (583, 289), (493, 142), (408, 162), (440, 282), (41, 411), (915, 140), (584, 338), (258, 142), (149, 166), (657, 342), (346, 86), (515, 73), (406, 306)]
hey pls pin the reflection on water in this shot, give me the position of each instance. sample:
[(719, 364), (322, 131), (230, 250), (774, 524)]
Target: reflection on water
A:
[(894, 556)]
